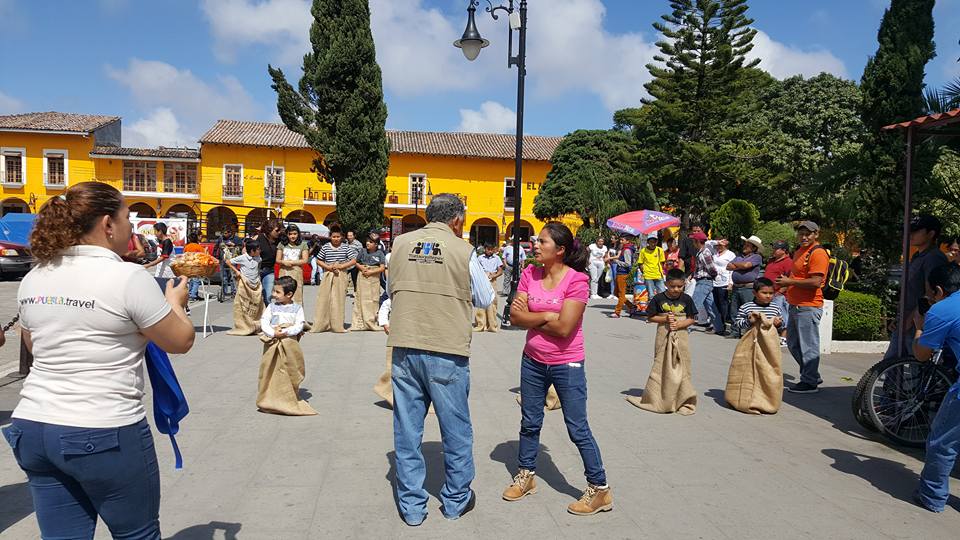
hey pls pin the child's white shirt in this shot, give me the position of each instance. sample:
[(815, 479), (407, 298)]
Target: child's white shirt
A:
[(282, 314), (383, 316)]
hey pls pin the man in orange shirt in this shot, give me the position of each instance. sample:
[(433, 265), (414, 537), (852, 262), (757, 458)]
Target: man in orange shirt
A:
[(810, 265)]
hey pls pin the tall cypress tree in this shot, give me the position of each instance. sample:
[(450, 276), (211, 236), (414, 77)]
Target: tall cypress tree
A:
[(339, 108), (689, 137), (892, 89)]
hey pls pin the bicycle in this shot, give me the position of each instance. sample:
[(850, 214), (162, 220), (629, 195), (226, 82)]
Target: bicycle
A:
[(900, 397)]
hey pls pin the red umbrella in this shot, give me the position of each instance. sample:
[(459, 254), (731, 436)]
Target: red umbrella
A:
[(642, 222)]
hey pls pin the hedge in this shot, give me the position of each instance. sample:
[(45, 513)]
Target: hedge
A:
[(858, 317)]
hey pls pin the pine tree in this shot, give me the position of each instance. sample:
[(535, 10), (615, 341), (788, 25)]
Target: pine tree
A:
[(339, 108), (892, 88), (690, 136)]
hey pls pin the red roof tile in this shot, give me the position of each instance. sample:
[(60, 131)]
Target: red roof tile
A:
[(54, 121), (930, 121), (161, 152), (470, 145)]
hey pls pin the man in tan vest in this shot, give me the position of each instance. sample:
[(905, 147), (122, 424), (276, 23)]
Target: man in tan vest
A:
[(435, 282)]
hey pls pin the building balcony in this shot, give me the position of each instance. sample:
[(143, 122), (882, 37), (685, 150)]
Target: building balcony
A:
[(233, 190), (153, 188), (397, 199), (55, 180), (323, 197)]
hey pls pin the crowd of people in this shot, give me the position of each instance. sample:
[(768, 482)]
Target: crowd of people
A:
[(87, 315)]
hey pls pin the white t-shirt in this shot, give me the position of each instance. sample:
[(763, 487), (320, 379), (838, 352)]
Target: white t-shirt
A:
[(720, 262), (597, 253), (84, 315)]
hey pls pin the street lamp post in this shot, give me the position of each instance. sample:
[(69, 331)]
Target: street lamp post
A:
[(471, 43)]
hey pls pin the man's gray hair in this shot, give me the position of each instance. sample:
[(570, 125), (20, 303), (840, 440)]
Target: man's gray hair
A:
[(444, 208)]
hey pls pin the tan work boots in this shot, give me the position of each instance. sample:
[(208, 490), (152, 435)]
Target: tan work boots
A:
[(593, 500)]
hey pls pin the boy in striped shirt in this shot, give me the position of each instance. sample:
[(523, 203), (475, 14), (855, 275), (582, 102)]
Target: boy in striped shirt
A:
[(750, 313)]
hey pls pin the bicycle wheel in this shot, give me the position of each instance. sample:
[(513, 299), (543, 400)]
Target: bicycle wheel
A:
[(903, 397), (859, 405)]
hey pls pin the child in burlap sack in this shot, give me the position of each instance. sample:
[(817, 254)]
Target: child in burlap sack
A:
[(755, 379), (669, 388), (282, 367), (248, 303)]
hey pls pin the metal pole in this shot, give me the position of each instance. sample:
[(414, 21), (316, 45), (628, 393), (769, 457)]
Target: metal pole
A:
[(907, 211), (518, 174)]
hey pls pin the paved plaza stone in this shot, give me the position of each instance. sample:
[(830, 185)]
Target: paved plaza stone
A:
[(807, 472)]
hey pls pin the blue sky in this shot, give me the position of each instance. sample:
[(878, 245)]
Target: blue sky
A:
[(171, 68)]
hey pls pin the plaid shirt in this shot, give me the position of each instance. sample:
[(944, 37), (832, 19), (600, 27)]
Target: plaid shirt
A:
[(704, 264)]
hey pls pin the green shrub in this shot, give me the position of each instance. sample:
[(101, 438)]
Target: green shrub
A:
[(772, 231), (858, 317), (735, 218)]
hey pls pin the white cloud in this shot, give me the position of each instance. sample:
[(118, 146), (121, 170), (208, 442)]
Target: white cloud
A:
[(10, 104), (159, 128), (414, 43), (179, 95), (491, 118), (280, 24), (784, 61), (570, 50)]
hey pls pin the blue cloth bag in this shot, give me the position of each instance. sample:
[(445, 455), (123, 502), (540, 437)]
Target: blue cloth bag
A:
[(169, 403)]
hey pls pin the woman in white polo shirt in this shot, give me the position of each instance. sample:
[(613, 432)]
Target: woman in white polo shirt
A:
[(80, 431)]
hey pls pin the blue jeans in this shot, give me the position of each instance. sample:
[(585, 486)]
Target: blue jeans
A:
[(77, 474), (721, 309), (570, 381), (803, 340), (780, 301), (703, 290), (227, 282), (654, 287), (419, 379), (193, 288), (943, 444), (267, 278)]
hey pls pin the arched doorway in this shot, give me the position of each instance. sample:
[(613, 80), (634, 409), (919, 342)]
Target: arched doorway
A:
[(253, 221), (412, 222), (482, 231), (526, 231), (301, 216), (218, 219), (14, 205), (331, 218), (143, 210), (181, 210)]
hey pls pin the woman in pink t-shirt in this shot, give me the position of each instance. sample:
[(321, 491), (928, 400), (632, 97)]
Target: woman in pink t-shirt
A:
[(550, 303)]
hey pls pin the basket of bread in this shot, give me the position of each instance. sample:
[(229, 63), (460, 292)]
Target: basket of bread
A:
[(194, 265)]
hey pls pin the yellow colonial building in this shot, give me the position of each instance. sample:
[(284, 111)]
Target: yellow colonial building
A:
[(248, 171)]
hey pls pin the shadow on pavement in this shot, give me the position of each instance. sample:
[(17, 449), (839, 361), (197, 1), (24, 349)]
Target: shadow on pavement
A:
[(5, 417), (832, 403), (433, 455), (213, 328), (547, 471), (717, 395), (207, 532), (17, 503), (305, 394), (888, 476), (635, 392)]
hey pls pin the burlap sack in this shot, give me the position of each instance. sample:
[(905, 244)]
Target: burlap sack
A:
[(669, 389), (297, 274), (281, 372), (486, 318), (755, 380), (551, 401), (384, 387), (366, 304), (331, 297), (247, 309)]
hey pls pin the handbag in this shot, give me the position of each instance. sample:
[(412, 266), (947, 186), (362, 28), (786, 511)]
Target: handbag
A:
[(169, 403)]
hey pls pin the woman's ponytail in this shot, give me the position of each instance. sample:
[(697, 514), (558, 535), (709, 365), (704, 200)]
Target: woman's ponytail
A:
[(64, 220)]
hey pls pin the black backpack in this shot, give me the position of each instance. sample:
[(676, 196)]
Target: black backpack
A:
[(838, 272)]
